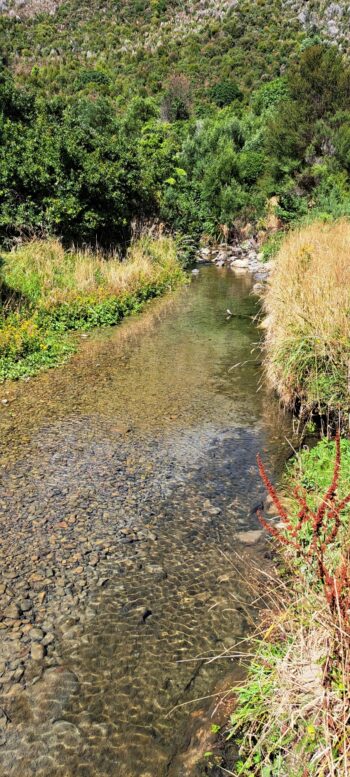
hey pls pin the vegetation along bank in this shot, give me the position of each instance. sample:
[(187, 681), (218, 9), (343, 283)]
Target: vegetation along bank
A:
[(292, 714), (49, 292)]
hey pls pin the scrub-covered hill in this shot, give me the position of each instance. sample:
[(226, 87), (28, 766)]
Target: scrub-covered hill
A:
[(196, 113)]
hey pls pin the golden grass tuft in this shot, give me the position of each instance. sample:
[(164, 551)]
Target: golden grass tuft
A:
[(307, 321), (43, 270), (308, 703), (293, 711)]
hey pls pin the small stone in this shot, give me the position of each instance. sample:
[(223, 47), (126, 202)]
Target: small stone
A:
[(18, 674), (3, 721), (241, 263), (37, 651), (27, 628), (36, 634), (25, 605), (48, 639), (11, 575), (66, 625), (250, 537), (143, 613), (157, 571), (224, 579), (37, 578), (12, 611), (47, 626), (102, 582), (202, 597)]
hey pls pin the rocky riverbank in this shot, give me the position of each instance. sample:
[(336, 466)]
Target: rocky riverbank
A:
[(240, 257)]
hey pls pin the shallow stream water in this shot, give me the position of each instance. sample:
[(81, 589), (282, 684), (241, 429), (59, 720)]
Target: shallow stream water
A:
[(128, 483)]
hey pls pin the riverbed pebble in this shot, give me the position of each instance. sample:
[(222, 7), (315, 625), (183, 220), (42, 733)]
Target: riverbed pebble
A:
[(37, 651), (250, 537)]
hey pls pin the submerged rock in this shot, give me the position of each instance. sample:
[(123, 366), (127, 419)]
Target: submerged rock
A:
[(250, 537)]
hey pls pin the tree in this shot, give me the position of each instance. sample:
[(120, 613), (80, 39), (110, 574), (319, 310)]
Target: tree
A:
[(320, 81), (225, 92), (177, 100)]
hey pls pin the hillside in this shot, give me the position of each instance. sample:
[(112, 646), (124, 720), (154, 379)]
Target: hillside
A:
[(191, 113), (142, 42)]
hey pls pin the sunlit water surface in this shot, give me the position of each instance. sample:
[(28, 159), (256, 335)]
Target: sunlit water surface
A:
[(142, 452)]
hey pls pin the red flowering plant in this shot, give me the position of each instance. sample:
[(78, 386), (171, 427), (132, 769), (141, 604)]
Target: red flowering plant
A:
[(314, 545)]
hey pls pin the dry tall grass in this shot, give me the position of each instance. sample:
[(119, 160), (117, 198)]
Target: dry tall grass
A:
[(43, 270), (294, 708), (308, 324)]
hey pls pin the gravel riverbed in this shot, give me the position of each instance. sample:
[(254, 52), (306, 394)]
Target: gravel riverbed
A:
[(127, 537)]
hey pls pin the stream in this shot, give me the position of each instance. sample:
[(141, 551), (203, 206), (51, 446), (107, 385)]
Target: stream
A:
[(128, 538)]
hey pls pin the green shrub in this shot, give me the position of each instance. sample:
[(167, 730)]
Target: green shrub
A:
[(225, 92)]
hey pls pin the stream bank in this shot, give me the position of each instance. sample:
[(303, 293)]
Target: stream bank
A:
[(128, 483), (291, 713)]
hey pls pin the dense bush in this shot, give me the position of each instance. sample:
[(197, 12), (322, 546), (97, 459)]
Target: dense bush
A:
[(70, 170), (177, 99), (225, 92), (163, 114)]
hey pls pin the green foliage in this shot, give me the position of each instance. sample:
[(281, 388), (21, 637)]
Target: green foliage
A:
[(86, 311), (92, 77), (300, 643), (307, 157), (269, 95), (342, 142), (320, 81), (225, 92), (25, 349), (313, 468), (96, 118), (272, 245), (76, 176)]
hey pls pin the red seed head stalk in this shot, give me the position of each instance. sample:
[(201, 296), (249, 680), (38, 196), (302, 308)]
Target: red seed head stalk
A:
[(273, 494)]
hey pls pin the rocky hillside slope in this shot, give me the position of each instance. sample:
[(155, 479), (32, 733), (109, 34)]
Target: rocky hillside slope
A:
[(331, 21), (140, 39)]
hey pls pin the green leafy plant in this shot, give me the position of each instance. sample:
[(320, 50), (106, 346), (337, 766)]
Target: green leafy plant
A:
[(323, 525)]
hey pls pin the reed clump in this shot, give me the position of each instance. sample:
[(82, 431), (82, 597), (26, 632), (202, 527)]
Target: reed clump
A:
[(307, 321)]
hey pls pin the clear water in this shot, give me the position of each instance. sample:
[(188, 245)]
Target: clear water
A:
[(149, 434)]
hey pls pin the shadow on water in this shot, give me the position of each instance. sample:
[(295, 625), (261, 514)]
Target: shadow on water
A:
[(128, 476)]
